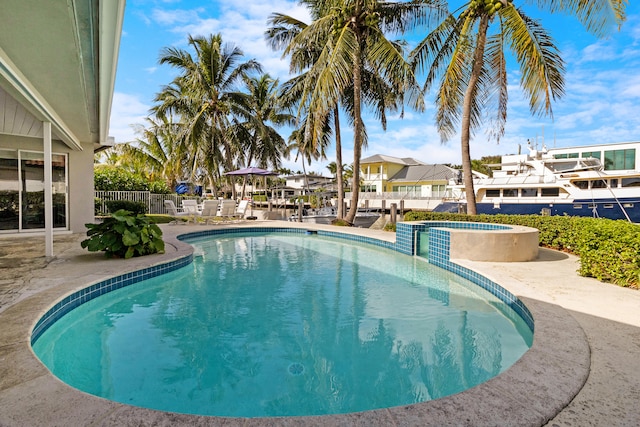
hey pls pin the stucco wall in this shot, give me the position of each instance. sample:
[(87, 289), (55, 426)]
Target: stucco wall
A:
[(81, 193), (514, 245)]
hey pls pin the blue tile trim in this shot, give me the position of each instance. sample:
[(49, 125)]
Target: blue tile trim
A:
[(438, 238), (78, 298), (267, 230)]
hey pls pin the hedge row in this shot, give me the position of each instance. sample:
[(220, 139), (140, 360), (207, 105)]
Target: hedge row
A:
[(609, 250)]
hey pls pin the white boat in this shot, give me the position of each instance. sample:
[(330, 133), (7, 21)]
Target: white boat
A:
[(538, 183), (326, 215)]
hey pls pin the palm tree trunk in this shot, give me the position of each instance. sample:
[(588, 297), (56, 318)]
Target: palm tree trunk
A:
[(357, 126), (339, 172), (466, 114)]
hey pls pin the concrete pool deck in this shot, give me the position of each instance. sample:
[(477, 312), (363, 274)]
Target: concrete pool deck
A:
[(583, 368)]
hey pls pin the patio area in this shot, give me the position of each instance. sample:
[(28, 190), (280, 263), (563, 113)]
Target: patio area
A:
[(587, 342)]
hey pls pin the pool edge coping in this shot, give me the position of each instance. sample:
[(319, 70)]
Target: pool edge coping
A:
[(540, 384)]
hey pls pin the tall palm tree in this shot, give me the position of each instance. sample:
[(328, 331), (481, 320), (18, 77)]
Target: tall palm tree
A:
[(471, 64), (200, 95), (283, 29), (348, 39)]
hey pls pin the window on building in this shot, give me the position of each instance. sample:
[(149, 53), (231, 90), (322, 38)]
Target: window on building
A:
[(438, 190), (408, 190), (620, 159)]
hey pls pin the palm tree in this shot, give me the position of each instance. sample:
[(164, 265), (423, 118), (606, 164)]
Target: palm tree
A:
[(200, 95), (283, 29), (471, 64), (253, 111), (157, 152), (344, 41), (306, 150)]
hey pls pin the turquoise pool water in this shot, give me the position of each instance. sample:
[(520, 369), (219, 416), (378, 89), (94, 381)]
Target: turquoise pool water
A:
[(285, 325)]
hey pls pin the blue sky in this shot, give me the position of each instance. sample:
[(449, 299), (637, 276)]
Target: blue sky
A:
[(602, 82)]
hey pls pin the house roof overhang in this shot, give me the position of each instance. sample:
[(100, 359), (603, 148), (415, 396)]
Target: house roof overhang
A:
[(58, 62)]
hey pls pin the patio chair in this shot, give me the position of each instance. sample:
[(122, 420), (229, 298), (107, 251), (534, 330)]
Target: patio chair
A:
[(209, 210), (173, 211), (228, 209), (190, 206), (241, 210)]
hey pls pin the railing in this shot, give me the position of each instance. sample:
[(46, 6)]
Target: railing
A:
[(154, 202), (398, 196)]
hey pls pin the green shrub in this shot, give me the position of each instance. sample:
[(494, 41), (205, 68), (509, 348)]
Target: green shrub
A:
[(110, 178), (159, 187), (609, 250), (127, 205), (124, 235)]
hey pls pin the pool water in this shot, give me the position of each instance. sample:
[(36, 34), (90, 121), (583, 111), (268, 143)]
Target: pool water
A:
[(285, 325)]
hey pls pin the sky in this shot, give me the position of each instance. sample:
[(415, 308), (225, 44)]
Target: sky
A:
[(602, 81)]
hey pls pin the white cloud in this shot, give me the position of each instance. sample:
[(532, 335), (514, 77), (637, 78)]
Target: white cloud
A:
[(126, 111)]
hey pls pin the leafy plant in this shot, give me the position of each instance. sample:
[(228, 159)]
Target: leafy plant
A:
[(124, 235)]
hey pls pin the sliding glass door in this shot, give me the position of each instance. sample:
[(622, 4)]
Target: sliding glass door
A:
[(9, 190), (22, 190)]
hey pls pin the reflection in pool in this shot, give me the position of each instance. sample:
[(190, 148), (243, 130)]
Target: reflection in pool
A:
[(286, 324)]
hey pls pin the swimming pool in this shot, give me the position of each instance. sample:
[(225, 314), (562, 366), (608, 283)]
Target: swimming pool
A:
[(269, 297)]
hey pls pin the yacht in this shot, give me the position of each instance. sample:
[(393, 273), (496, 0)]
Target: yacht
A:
[(539, 183)]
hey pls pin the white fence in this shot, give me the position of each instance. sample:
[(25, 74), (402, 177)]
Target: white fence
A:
[(154, 202)]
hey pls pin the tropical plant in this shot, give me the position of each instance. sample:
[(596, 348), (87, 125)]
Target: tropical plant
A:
[(124, 235), (112, 178), (306, 150), (471, 64), (157, 152), (346, 41), (255, 113), (200, 95)]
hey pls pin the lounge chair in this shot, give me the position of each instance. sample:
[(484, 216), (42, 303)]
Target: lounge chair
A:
[(173, 211), (190, 206), (241, 210), (209, 210), (228, 209)]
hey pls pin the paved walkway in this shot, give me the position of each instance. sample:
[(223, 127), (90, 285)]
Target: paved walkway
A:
[(587, 342)]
